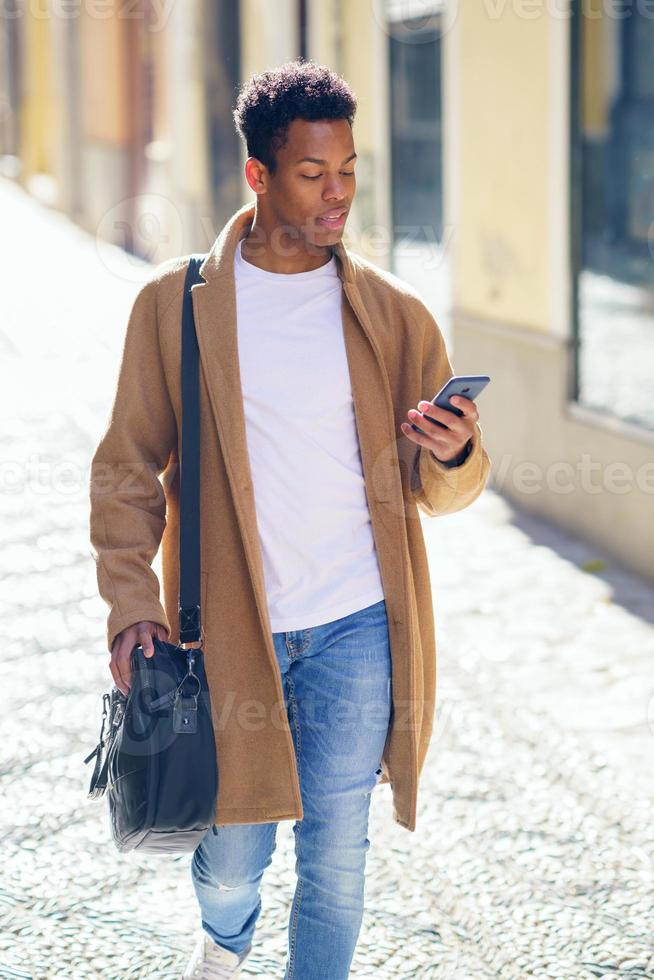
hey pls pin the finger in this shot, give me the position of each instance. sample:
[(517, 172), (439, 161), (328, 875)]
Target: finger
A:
[(122, 662), (437, 430), (437, 446), (430, 411), (467, 406), (145, 639), (116, 677), (161, 632), (460, 430), (121, 682)]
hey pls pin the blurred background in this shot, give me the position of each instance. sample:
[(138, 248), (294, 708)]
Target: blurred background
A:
[(505, 169)]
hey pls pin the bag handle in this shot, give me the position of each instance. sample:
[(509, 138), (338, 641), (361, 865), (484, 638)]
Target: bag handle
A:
[(190, 621)]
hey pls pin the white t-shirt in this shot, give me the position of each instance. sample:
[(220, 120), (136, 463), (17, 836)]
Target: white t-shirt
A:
[(319, 555)]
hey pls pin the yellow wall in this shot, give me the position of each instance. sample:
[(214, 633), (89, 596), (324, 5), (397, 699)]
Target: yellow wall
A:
[(595, 93), (105, 78), (358, 27), (38, 110), (501, 208), (325, 31), (269, 33)]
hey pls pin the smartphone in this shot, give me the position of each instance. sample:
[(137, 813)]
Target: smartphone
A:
[(468, 385)]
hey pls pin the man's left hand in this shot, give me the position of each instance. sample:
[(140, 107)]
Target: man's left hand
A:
[(446, 444)]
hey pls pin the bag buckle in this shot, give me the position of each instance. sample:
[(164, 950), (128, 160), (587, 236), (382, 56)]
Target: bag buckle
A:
[(185, 706), (190, 627)]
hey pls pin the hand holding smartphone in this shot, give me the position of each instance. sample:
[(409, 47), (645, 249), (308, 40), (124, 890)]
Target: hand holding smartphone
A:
[(467, 385)]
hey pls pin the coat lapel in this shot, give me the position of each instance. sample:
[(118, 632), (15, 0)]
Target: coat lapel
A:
[(214, 306)]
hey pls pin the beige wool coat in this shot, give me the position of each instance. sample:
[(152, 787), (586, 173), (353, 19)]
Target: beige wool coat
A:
[(396, 357)]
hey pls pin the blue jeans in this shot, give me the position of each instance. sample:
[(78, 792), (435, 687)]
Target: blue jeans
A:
[(337, 692)]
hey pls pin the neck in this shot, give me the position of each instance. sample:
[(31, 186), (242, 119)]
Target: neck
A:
[(257, 249)]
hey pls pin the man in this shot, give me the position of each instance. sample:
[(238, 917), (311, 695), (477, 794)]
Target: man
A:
[(316, 601)]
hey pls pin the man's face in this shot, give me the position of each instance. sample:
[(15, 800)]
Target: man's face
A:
[(314, 180)]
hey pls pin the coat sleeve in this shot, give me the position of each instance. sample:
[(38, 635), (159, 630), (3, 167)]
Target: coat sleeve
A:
[(436, 487), (127, 503)]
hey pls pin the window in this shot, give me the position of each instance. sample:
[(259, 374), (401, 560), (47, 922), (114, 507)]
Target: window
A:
[(612, 193)]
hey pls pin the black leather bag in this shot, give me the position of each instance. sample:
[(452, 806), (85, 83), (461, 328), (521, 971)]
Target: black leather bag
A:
[(157, 761)]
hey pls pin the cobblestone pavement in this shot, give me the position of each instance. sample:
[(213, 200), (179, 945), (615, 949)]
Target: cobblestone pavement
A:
[(533, 854)]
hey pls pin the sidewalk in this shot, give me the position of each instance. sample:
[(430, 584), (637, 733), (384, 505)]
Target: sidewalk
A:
[(533, 853)]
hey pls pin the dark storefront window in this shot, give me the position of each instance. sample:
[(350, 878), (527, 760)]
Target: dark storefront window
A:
[(221, 33), (613, 213), (415, 116)]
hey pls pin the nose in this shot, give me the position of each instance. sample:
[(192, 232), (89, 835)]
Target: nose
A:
[(335, 190)]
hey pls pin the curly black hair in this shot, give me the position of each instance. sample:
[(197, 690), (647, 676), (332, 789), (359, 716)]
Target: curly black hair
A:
[(299, 89)]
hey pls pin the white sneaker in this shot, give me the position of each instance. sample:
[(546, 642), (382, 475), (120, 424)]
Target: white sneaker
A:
[(209, 961)]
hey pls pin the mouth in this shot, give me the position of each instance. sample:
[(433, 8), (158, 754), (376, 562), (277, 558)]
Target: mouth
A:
[(333, 219)]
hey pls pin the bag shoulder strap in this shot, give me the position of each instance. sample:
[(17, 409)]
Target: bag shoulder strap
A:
[(190, 621)]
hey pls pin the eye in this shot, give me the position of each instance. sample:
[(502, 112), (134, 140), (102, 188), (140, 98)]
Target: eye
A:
[(346, 173)]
